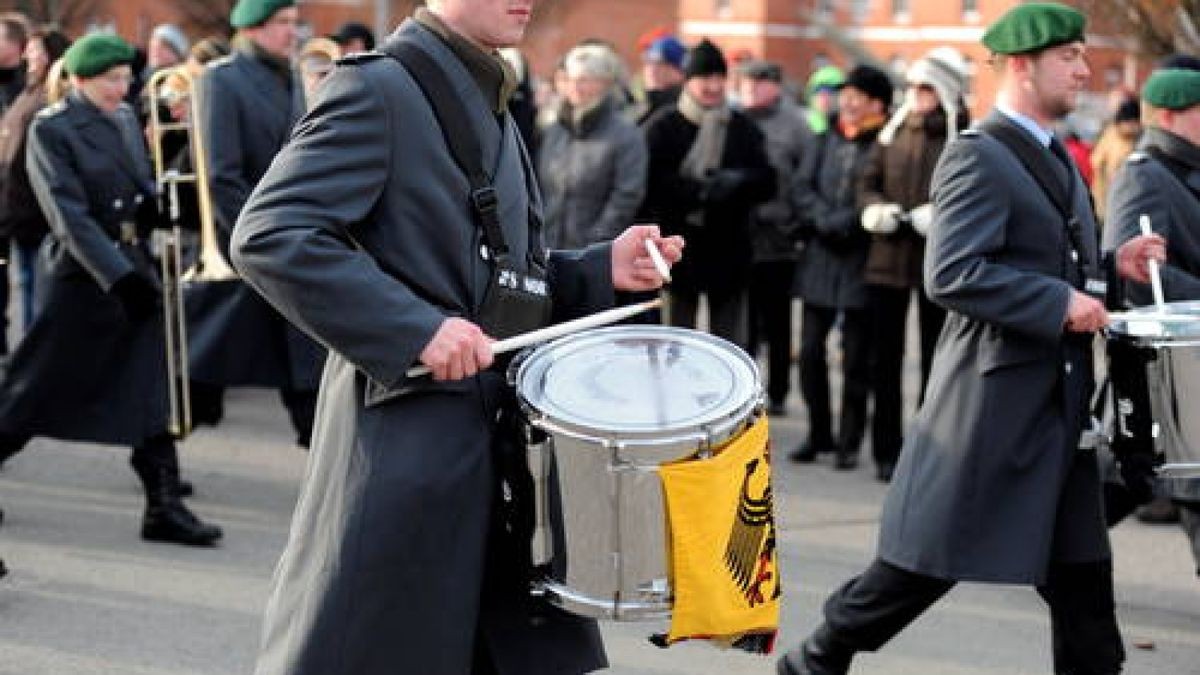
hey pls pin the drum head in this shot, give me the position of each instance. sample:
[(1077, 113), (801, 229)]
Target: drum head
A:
[(640, 383), (1180, 321)]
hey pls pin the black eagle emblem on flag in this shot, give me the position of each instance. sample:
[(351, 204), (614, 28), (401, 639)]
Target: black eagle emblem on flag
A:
[(749, 555)]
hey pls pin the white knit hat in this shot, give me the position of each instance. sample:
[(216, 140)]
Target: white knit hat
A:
[(942, 68)]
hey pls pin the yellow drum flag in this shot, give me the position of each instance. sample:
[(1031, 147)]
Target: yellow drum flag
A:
[(724, 566)]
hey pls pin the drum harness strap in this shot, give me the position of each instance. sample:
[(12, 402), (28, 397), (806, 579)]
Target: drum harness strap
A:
[(516, 300), (1037, 163)]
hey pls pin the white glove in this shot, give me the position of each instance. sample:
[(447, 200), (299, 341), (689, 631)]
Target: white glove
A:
[(921, 218), (881, 218)]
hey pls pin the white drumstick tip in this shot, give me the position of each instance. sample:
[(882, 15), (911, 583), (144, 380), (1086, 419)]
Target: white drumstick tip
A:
[(660, 263), (1156, 287)]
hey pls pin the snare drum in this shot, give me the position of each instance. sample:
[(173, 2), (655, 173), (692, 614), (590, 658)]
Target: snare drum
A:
[(614, 404), (1171, 348)]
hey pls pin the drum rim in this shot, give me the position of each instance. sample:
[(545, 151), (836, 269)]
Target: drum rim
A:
[(724, 423), (1119, 329)]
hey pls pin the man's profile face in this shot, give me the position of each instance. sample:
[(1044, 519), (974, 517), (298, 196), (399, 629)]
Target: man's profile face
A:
[(490, 23), (1057, 76)]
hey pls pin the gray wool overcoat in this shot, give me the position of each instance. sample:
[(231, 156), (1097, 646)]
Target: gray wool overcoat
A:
[(991, 485), (361, 235)]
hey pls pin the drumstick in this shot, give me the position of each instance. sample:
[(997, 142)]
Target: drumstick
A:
[(1161, 317), (558, 330), (660, 264), (1155, 277)]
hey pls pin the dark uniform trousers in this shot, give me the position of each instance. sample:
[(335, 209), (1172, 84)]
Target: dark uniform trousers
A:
[(889, 316), (771, 321), (815, 325), (872, 608)]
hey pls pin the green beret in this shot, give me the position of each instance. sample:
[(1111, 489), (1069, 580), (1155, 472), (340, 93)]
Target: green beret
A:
[(1034, 26), (93, 54), (1173, 89), (249, 13)]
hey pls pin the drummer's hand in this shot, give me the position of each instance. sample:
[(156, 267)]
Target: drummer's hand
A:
[(632, 268), (1134, 256), (1085, 314), (458, 350)]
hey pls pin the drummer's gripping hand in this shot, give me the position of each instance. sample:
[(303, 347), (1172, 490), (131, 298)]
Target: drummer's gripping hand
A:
[(632, 267), (1134, 256), (458, 350), (1085, 314)]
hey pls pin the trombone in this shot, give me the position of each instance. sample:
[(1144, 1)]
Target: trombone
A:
[(174, 87)]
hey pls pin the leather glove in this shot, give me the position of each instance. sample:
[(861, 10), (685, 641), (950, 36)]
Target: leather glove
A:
[(921, 218), (881, 218), (721, 185), (138, 297), (1137, 471)]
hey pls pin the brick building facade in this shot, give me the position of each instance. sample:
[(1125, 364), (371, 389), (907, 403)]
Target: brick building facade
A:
[(893, 32)]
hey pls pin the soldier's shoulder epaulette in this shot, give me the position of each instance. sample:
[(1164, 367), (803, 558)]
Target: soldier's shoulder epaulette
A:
[(220, 62), (971, 132), (1137, 157), (360, 58)]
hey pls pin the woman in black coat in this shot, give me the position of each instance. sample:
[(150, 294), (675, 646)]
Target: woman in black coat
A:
[(91, 367)]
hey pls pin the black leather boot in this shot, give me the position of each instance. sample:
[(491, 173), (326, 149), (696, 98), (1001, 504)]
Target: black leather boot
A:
[(821, 654), (166, 518)]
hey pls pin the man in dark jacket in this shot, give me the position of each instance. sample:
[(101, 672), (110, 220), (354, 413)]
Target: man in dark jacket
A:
[(773, 225), (248, 104), (825, 196), (662, 77), (1161, 180), (708, 169), (398, 559), (992, 484), (893, 194), (91, 367)]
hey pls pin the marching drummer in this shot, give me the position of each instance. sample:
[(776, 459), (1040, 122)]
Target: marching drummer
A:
[(1161, 181), (992, 485), (394, 560)]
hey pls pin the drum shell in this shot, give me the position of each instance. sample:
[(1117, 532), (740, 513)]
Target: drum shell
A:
[(1173, 378), (601, 542)]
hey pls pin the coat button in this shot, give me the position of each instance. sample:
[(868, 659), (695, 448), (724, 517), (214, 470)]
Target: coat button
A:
[(1067, 368), (117, 204), (1074, 256)]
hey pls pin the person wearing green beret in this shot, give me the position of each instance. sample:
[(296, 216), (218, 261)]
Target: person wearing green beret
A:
[(1161, 180), (91, 366), (996, 483), (248, 104)]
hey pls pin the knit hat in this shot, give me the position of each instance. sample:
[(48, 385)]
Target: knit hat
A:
[(353, 30), (666, 49), (249, 13), (94, 54), (173, 38), (1129, 111), (705, 59), (942, 68), (1034, 26), (871, 81), (1186, 61)]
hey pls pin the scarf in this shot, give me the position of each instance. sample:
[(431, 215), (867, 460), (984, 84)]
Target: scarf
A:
[(705, 154), (869, 123)]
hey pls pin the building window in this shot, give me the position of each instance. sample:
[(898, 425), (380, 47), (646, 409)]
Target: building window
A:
[(970, 8), (859, 9), (724, 8), (825, 8), (900, 10)]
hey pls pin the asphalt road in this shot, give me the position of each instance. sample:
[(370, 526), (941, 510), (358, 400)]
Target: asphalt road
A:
[(86, 597)]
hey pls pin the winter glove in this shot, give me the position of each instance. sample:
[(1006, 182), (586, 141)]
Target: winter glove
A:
[(881, 218), (721, 185), (138, 297), (921, 218)]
